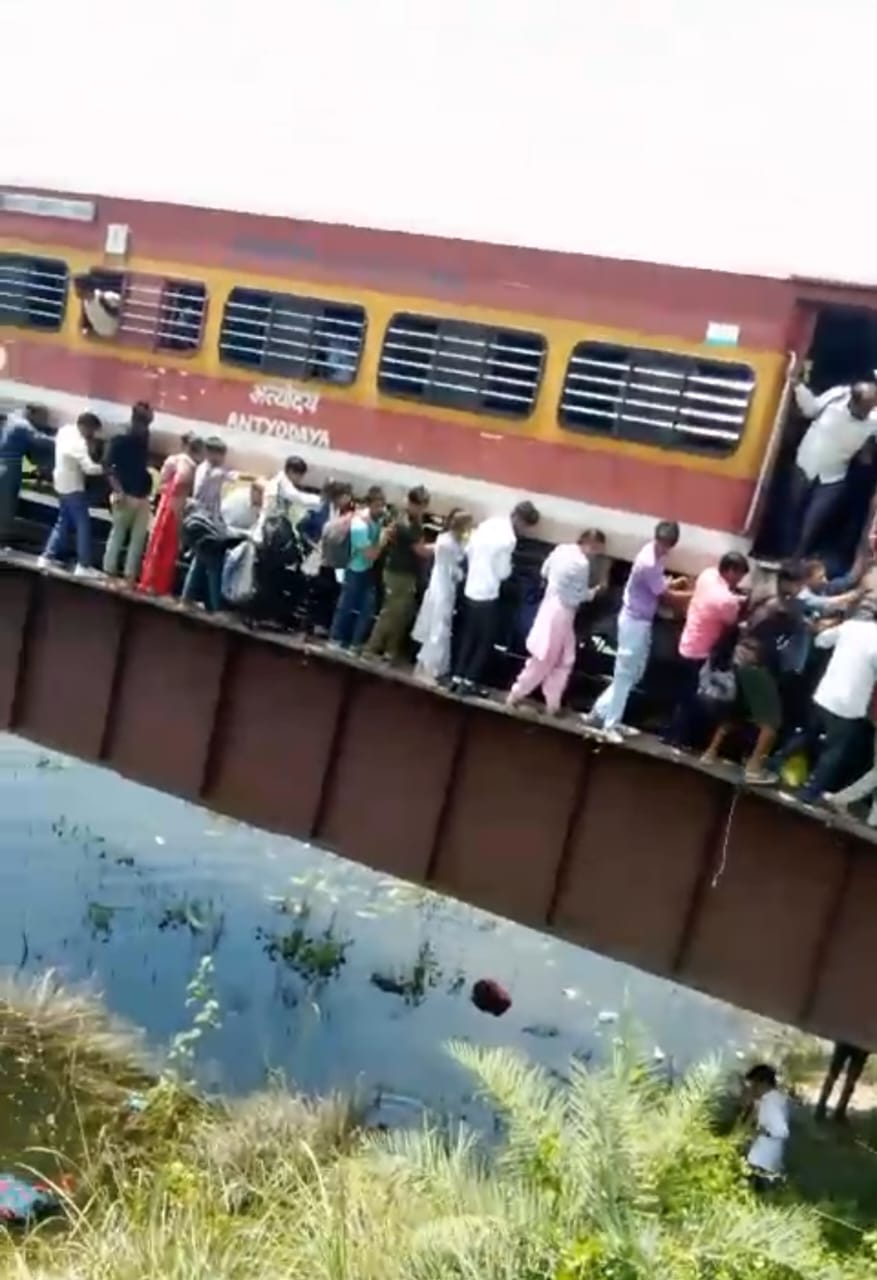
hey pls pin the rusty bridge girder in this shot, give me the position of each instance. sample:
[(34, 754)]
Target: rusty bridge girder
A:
[(632, 851)]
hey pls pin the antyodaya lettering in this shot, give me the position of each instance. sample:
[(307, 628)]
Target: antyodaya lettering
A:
[(284, 395), (279, 428)]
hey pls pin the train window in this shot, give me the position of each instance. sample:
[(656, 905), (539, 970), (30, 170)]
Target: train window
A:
[(462, 365), (292, 336), (166, 315), (656, 397), (33, 291)]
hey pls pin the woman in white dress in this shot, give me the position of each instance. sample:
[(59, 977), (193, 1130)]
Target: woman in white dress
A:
[(432, 630)]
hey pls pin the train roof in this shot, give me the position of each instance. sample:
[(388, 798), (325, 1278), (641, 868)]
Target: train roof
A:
[(654, 130)]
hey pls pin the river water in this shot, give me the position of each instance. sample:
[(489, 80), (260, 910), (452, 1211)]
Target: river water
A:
[(328, 972)]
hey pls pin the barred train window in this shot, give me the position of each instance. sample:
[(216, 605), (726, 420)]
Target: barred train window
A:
[(292, 336), (166, 315), (462, 365), (656, 397), (139, 310), (33, 291)]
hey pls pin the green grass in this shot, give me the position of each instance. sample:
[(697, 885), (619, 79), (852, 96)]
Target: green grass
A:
[(615, 1176)]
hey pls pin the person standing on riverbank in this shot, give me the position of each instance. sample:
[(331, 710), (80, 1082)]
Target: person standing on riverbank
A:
[(73, 463), (770, 1107), (127, 467), (848, 1059)]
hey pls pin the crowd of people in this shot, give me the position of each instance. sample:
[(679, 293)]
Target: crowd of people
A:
[(783, 673)]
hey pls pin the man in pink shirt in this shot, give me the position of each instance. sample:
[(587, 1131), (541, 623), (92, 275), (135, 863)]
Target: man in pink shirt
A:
[(714, 608)]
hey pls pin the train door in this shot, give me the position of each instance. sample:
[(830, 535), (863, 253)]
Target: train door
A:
[(842, 350)]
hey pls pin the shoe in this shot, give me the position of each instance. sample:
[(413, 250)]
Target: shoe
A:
[(613, 735), (84, 571), (830, 798), (43, 562), (759, 778), (590, 720), (627, 730)]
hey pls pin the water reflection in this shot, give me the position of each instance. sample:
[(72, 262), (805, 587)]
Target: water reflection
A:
[(324, 970)]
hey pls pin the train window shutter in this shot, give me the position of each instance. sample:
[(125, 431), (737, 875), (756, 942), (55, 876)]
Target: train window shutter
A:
[(663, 398), (292, 336), (462, 365), (33, 291)]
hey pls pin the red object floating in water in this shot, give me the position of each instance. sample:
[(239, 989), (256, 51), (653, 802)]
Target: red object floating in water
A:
[(489, 997)]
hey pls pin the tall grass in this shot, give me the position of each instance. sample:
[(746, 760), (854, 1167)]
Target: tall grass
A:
[(613, 1176)]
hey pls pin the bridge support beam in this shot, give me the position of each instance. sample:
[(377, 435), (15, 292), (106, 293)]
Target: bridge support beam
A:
[(631, 851)]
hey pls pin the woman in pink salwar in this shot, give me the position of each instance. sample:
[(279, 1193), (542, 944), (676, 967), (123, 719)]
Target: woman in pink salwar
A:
[(552, 639), (175, 486)]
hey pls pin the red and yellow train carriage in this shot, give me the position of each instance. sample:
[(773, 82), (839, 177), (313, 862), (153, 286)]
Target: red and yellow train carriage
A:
[(611, 392)]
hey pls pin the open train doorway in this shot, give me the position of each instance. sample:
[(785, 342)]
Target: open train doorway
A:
[(843, 351)]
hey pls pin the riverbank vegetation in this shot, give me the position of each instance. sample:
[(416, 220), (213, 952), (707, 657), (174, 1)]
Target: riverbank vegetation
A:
[(609, 1174)]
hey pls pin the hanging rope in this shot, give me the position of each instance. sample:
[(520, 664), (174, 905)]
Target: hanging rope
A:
[(726, 839)]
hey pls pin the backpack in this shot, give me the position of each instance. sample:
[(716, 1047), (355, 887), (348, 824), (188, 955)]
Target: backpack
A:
[(716, 688), (200, 528), (280, 543), (335, 542)]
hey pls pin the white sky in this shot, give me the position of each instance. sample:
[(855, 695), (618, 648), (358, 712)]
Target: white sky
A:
[(737, 135)]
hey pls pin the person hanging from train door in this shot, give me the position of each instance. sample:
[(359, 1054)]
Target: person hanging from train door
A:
[(551, 642), (647, 587), (490, 551), (842, 421), (22, 436)]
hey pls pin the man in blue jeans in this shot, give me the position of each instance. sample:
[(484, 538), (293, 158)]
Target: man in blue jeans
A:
[(73, 462), (356, 604), (22, 436)]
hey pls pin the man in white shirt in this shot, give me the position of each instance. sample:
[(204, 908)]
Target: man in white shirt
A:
[(771, 1108), (843, 696), (285, 497), (843, 420), (73, 462), (211, 477), (551, 642), (242, 509), (489, 552)]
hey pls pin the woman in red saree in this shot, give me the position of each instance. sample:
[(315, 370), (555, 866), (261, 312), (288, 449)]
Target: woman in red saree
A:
[(175, 487)]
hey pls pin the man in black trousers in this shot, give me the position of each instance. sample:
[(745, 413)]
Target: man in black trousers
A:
[(489, 554)]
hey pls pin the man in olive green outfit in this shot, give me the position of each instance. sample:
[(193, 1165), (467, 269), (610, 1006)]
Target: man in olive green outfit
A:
[(405, 553)]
